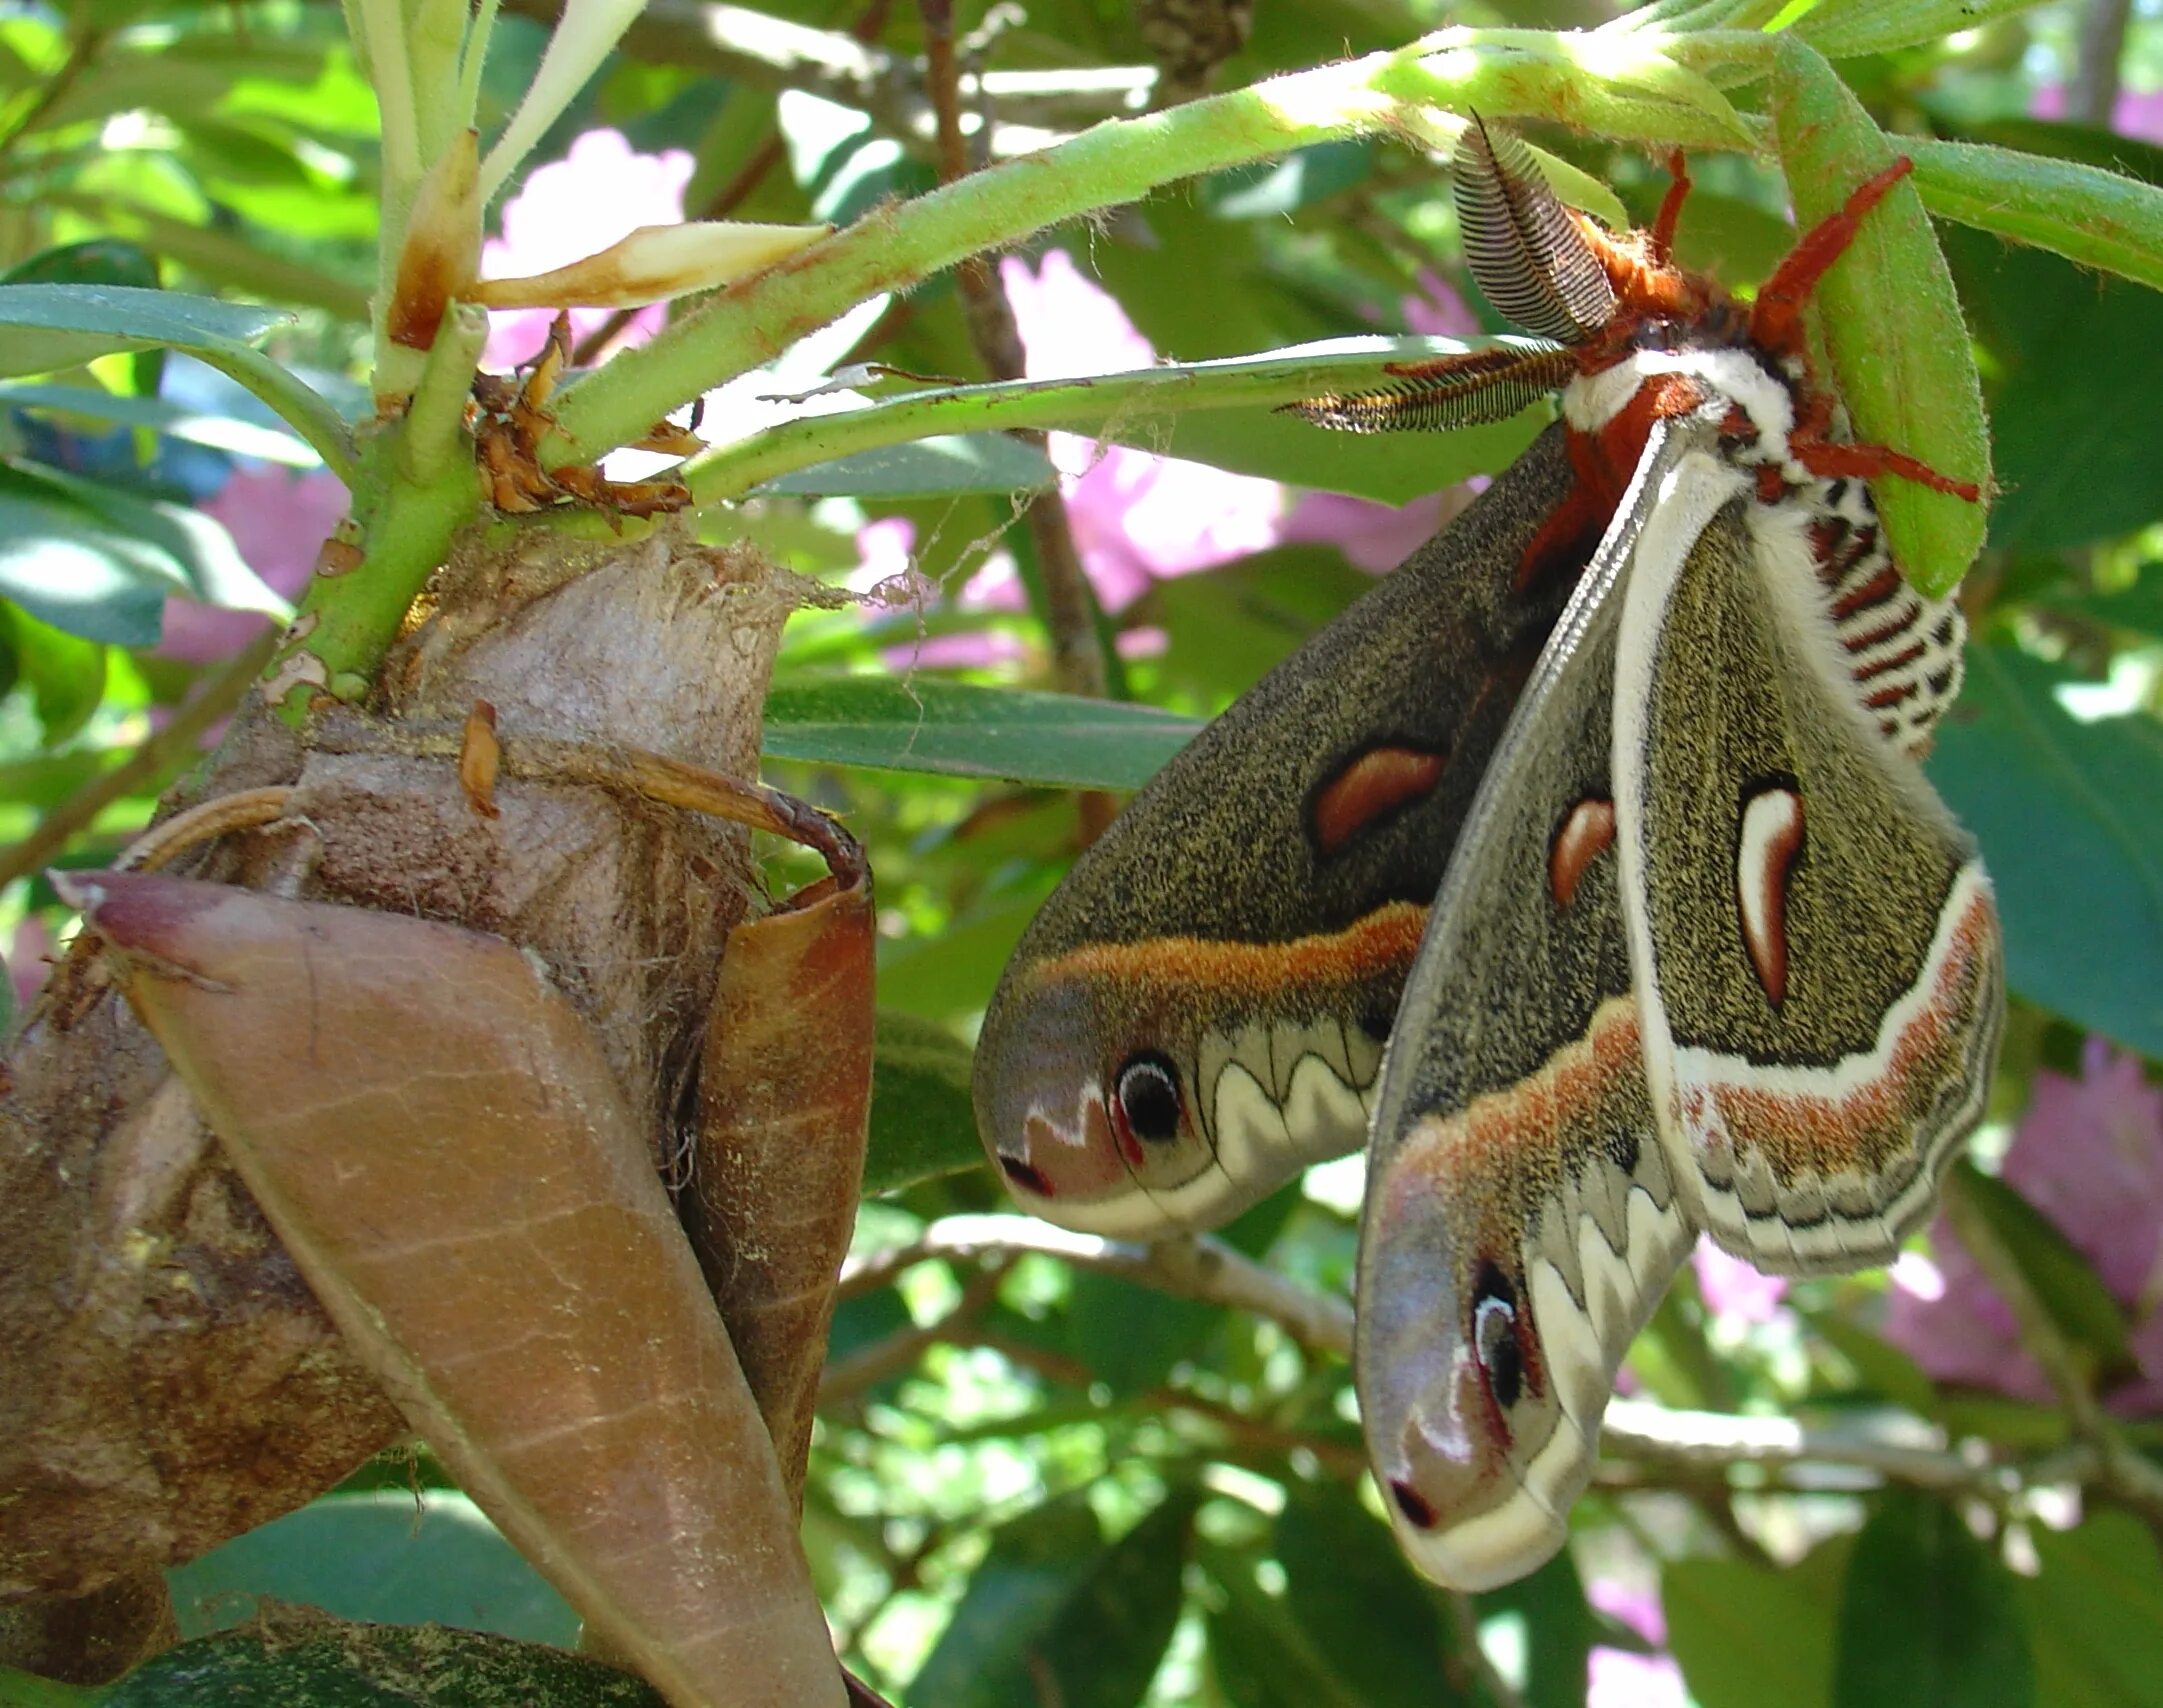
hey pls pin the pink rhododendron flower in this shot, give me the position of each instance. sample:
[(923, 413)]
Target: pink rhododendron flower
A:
[(1437, 310), (279, 520), (1736, 1289), (1135, 517), (1374, 537), (1620, 1678), (2089, 1155), (598, 194), (2136, 115)]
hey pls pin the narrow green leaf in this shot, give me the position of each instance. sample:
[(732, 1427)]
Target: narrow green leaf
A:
[(1749, 1637), (2091, 216), (961, 729), (2064, 1282), (2082, 907), (389, 1556), (2095, 1614), (1052, 1611), (2076, 357), (1928, 1618), (1261, 1658), (1844, 29), (219, 432), (328, 1663), (1350, 1591), (64, 673), (925, 468), (1891, 320), (1557, 1631), (58, 326), (1219, 412), (922, 1123), (25, 1690), (1886, 1372)]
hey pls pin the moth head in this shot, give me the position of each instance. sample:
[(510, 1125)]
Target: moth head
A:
[(1476, 1457), (1085, 1101)]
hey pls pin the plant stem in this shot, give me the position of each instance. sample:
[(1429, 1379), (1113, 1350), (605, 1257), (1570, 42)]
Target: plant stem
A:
[(1502, 73)]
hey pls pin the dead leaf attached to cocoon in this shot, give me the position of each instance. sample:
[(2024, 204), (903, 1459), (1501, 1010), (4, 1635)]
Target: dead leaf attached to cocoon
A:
[(437, 1138)]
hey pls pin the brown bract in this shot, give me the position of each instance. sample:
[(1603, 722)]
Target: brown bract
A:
[(784, 1109), (436, 1134), (169, 1379)]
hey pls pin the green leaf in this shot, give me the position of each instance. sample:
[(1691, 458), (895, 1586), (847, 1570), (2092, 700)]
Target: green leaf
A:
[(1348, 1587), (1928, 1616), (1558, 1629), (2082, 906), (25, 1690), (1053, 1611), (100, 562), (924, 468), (1260, 1658), (100, 261), (1220, 412), (219, 432), (389, 1556), (2065, 1284), (58, 326), (1891, 321), (2137, 608), (960, 729), (327, 1663), (2095, 1614), (2074, 442), (922, 1123), (1885, 1372), (1226, 627), (64, 674), (1746, 1636), (1843, 29), (2095, 217)]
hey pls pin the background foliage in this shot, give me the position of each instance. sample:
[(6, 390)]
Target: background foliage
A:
[(1036, 1482)]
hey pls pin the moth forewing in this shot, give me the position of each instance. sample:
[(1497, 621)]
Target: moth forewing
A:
[(1521, 1222), (1198, 1011), (1813, 939)]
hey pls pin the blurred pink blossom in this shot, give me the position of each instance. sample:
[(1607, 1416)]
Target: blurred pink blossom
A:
[(2089, 1155), (1437, 310), (2135, 115), (1135, 517), (1735, 1289), (1620, 1678), (278, 520), (1374, 537), (598, 194)]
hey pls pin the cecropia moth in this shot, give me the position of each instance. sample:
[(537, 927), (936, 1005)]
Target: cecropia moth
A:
[(1603, 814)]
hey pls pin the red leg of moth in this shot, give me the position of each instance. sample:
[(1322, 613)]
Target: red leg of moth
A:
[(1663, 225), (1777, 313), (1866, 462)]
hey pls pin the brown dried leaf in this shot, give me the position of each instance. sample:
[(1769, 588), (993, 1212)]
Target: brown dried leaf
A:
[(435, 1135), (784, 1108)]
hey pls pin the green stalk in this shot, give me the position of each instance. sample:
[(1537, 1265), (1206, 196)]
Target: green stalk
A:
[(1611, 87), (1075, 405)]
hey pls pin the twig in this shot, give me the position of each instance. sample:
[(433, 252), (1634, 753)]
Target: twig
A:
[(759, 50), (1080, 662), (1200, 1268), (1889, 1448), (219, 693), (55, 88), (2093, 92), (845, 1378)]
